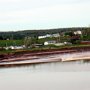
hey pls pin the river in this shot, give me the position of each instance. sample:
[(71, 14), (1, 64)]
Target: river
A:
[(48, 76)]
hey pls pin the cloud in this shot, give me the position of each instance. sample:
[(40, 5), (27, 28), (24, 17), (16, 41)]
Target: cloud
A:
[(47, 13), (52, 14), (10, 5), (10, 1)]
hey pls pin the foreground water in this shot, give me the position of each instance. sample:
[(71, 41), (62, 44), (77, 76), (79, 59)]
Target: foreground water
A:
[(50, 76)]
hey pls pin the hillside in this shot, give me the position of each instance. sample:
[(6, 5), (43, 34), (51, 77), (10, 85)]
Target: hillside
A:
[(34, 33)]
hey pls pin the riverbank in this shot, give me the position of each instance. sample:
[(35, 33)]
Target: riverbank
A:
[(65, 57), (35, 56)]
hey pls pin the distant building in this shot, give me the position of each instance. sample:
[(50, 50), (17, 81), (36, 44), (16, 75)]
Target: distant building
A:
[(41, 37), (56, 35), (14, 47), (59, 44), (47, 35), (78, 32), (49, 42)]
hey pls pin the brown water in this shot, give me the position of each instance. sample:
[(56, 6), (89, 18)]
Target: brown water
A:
[(49, 76)]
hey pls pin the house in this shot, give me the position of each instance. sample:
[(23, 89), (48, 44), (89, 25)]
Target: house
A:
[(41, 37), (56, 35), (59, 44), (49, 42), (78, 32), (47, 35), (14, 47)]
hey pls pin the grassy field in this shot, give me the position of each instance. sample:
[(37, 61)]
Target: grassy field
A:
[(42, 48), (4, 43)]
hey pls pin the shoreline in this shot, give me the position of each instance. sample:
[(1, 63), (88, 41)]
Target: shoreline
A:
[(33, 62), (34, 56)]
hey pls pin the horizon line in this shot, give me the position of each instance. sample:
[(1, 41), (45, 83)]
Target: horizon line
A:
[(45, 29)]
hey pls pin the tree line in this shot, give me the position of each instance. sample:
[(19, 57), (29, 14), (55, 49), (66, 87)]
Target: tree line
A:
[(18, 35)]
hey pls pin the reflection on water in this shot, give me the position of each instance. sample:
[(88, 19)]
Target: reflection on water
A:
[(49, 76)]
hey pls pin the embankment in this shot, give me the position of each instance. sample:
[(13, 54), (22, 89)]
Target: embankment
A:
[(31, 55)]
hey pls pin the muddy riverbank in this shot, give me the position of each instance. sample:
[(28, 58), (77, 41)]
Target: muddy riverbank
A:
[(36, 57)]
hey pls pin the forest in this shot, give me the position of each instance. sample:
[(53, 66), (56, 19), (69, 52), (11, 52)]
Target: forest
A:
[(30, 37), (19, 35)]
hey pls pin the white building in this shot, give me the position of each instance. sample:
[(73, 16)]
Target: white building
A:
[(47, 35), (14, 47), (49, 42), (78, 32), (56, 35), (41, 37)]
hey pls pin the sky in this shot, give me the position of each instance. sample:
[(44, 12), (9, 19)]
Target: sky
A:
[(43, 14)]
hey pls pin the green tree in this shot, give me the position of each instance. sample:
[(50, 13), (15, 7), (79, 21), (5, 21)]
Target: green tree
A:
[(27, 41)]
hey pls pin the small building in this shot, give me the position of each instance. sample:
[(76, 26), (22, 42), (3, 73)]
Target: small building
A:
[(56, 35), (59, 44), (46, 36), (49, 42), (14, 47), (41, 37), (78, 32)]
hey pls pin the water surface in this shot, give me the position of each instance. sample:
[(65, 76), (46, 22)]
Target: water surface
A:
[(49, 76)]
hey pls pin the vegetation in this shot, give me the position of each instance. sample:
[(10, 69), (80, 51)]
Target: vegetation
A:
[(4, 43), (29, 38), (35, 33)]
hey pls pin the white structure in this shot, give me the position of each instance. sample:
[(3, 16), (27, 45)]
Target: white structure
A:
[(78, 32), (56, 35), (14, 47), (18, 47), (47, 35), (49, 42), (46, 43), (41, 37), (59, 44)]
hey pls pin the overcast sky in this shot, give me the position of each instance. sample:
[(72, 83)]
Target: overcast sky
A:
[(43, 14)]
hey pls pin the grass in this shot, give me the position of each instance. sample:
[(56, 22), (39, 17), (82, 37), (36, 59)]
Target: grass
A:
[(4, 43)]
